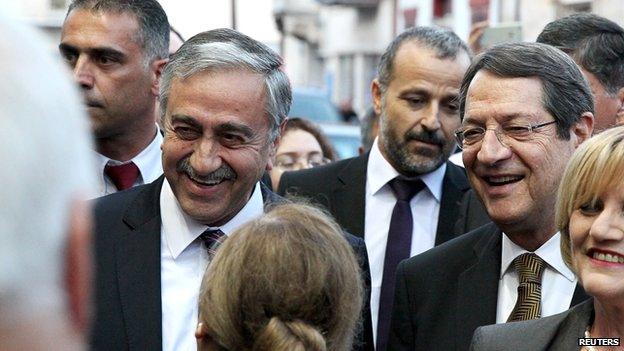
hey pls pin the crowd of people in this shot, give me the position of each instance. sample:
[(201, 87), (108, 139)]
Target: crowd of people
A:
[(194, 215)]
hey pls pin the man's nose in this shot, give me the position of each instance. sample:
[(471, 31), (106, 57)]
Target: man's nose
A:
[(492, 149), (431, 119), (83, 73), (206, 158)]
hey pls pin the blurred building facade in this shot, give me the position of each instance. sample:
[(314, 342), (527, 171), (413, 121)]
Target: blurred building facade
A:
[(335, 45)]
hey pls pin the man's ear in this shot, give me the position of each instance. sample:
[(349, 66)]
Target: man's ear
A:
[(275, 145), (377, 95), (583, 128), (79, 264), (619, 116), (157, 68)]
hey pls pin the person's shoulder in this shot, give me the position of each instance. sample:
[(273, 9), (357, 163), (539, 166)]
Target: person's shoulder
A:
[(114, 205), (331, 168), (310, 181), (514, 335), (454, 253)]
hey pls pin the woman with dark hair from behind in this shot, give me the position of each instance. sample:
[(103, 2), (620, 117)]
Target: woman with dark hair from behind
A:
[(285, 281), (303, 145)]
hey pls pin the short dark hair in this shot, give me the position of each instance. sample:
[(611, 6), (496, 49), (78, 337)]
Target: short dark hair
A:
[(566, 94), (444, 41), (594, 42), (153, 35)]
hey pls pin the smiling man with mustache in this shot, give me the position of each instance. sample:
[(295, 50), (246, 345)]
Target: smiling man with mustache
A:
[(416, 96), (224, 99)]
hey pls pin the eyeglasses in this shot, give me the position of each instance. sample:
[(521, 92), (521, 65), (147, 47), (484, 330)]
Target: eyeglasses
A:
[(470, 136), (290, 163)]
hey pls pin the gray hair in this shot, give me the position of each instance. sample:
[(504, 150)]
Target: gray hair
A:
[(596, 43), (444, 41), (226, 49), (566, 94), (46, 156), (153, 34)]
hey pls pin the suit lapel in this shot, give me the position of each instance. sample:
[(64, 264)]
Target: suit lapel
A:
[(349, 196), (477, 286), (579, 295), (453, 187), (138, 266)]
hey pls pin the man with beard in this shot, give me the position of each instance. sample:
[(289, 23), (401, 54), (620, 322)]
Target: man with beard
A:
[(224, 99), (525, 107), (117, 50), (402, 197)]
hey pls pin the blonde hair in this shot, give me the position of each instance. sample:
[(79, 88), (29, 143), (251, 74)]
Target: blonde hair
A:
[(285, 281), (596, 166)]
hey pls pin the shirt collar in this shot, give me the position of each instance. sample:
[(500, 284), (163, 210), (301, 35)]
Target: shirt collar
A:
[(179, 230), (380, 172), (148, 161), (550, 252)]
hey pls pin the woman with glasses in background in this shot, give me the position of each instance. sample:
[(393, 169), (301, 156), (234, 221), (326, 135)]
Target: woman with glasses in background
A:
[(303, 145), (590, 217)]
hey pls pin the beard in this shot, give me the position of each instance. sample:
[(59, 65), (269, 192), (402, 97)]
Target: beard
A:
[(414, 162)]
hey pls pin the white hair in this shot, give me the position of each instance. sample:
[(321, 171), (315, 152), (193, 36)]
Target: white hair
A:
[(45, 153)]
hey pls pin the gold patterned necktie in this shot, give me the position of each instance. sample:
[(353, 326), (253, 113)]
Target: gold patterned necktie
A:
[(529, 267)]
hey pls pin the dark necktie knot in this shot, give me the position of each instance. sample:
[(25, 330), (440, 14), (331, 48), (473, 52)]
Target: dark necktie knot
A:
[(405, 189), (123, 176), (212, 238)]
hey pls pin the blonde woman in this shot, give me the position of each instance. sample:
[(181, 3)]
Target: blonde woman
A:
[(590, 217), (285, 281)]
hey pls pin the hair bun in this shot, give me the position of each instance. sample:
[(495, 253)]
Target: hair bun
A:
[(293, 335)]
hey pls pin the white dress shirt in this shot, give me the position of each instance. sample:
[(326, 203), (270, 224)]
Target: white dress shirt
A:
[(183, 261), (380, 202), (558, 281), (148, 161)]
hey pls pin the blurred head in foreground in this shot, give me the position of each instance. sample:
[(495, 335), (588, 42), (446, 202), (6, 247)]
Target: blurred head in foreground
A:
[(44, 225), (285, 281)]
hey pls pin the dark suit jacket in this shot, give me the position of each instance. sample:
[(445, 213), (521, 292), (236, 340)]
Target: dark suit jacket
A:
[(444, 294), (341, 188), (554, 333), (128, 313)]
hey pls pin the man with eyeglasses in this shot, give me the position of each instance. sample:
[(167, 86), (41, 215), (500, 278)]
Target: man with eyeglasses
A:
[(525, 107), (403, 196)]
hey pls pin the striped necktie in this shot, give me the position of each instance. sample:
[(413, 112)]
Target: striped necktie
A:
[(212, 238), (530, 268)]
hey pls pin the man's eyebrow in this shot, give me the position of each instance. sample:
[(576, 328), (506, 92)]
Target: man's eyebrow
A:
[(98, 51), (185, 119), (236, 127)]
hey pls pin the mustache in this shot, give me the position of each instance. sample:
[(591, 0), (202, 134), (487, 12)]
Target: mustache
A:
[(425, 136), (225, 172)]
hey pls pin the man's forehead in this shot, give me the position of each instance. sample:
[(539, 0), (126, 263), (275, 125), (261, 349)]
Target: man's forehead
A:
[(101, 28)]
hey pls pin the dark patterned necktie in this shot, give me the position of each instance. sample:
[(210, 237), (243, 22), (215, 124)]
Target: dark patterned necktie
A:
[(530, 268), (212, 238), (123, 176), (398, 248)]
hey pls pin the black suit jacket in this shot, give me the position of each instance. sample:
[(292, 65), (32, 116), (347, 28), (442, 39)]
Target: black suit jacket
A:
[(341, 188), (128, 310), (560, 332), (444, 294)]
